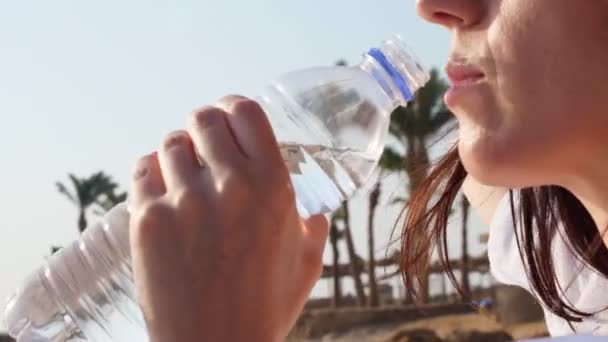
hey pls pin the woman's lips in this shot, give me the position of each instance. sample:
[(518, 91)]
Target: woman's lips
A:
[(460, 74), (463, 78)]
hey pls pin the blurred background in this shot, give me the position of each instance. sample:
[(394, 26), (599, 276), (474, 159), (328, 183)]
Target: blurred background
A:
[(86, 88)]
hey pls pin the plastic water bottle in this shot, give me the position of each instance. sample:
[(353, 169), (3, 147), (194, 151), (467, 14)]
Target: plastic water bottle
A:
[(331, 123)]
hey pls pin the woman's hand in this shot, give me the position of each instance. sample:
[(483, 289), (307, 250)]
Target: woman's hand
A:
[(219, 250)]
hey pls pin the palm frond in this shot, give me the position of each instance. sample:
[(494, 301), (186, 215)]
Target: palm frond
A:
[(391, 160), (439, 120), (77, 184), (399, 200), (63, 190)]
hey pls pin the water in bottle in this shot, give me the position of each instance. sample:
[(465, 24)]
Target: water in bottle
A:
[(331, 124)]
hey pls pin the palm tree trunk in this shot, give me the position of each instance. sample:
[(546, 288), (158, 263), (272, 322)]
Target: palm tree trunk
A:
[(333, 231), (354, 259), (82, 221), (411, 165), (373, 299), (465, 247)]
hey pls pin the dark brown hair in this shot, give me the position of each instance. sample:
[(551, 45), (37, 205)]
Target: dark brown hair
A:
[(541, 211)]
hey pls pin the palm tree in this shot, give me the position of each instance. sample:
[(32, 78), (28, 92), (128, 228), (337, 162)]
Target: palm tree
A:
[(355, 260), (413, 126), (97, 190), (334, 237), (373, 299), (390, 161), (110, 200)]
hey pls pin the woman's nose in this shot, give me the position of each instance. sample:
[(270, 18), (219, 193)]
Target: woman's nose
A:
[(451, 13)]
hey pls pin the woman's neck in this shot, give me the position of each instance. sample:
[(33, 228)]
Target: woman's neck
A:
[(590, 186), (599, 215)]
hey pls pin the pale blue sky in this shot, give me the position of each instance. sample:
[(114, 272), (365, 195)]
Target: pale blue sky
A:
[(93, 85)]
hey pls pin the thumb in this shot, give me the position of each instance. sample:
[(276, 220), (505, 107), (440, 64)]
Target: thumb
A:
[(316, 230)]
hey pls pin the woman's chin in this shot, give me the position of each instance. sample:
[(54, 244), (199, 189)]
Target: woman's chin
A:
[(484, 162), (499, 156)]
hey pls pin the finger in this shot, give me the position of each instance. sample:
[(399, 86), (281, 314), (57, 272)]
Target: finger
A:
[(178, 161), (213, 139), (251, 127), (316, 231), (148, 182)]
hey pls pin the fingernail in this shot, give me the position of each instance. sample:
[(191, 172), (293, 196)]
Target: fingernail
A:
[(140, 172)]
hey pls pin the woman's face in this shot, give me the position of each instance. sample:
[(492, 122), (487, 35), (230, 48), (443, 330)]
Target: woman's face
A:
[(530, 85)]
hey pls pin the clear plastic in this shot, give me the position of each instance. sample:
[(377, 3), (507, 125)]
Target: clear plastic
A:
[(331, 124), (84, 293)]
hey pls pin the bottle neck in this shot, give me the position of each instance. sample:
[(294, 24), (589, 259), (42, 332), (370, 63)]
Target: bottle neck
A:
[(395, 69), (385, 81)]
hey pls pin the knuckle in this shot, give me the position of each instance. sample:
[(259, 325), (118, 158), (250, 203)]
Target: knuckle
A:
[(248, 106), (176, 138), (155, 212), (188, 197), (234, 180), (232, 98), (206, 117), (151, 219)]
